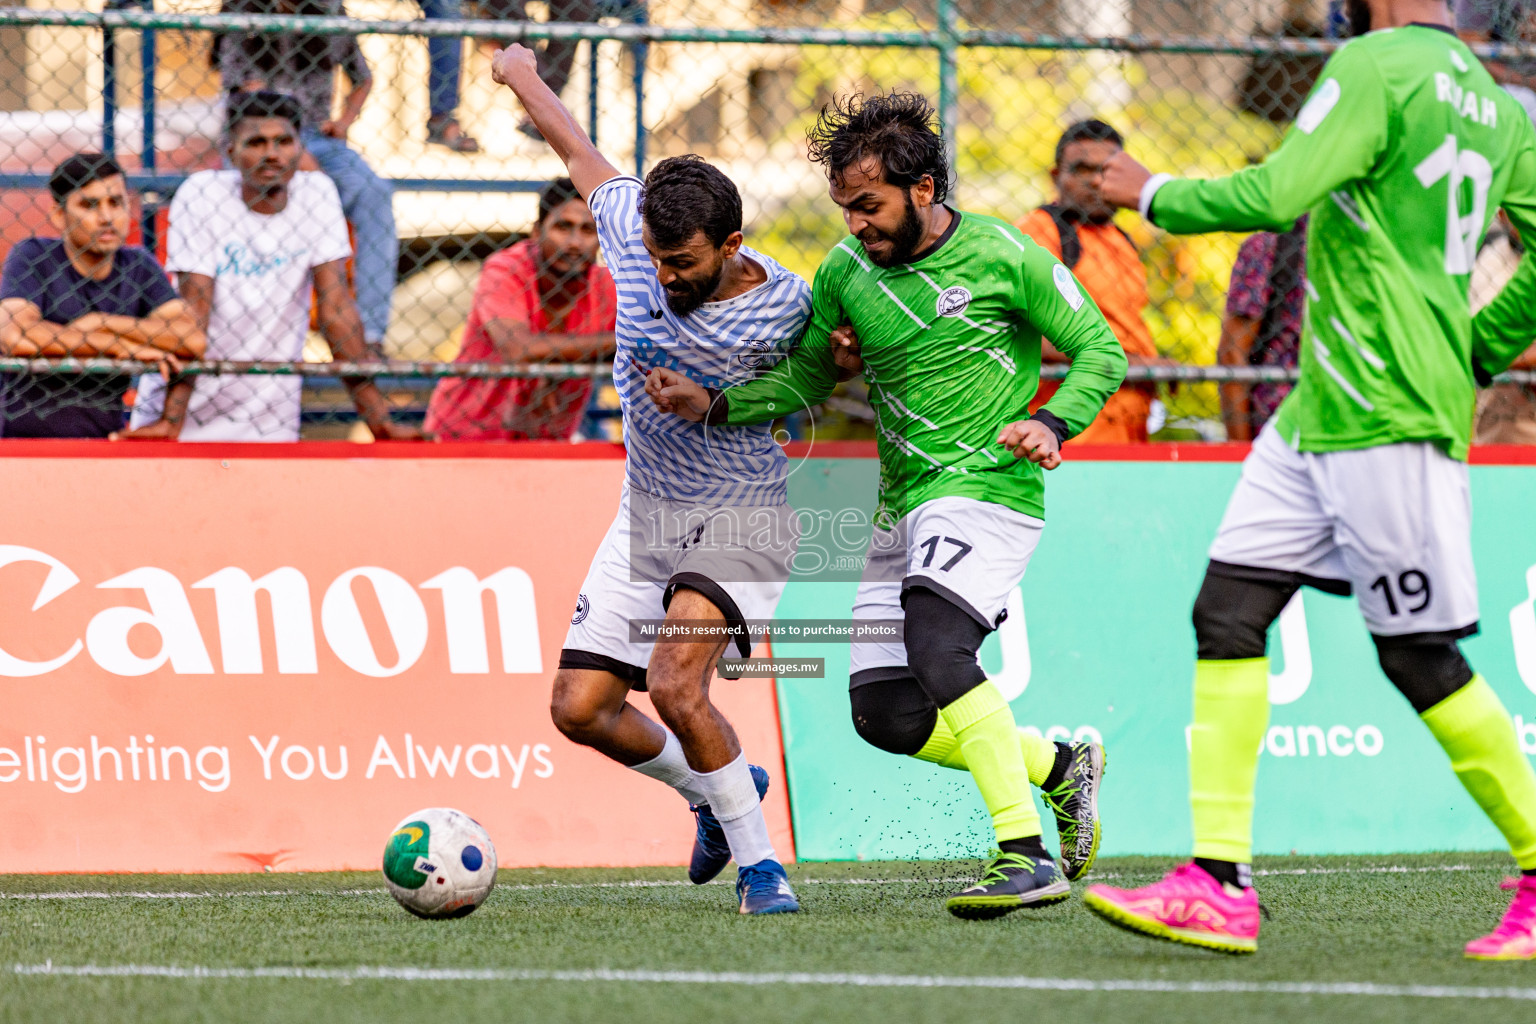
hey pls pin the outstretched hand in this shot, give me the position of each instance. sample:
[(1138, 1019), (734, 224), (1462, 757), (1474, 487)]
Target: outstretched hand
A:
[(671, 392), (1123, 180), (1032, 440)]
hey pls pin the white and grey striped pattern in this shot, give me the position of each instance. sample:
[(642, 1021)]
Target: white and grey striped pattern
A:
[(717, 345)]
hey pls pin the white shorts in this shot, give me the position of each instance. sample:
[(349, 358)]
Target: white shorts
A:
[(1392, 524), (971, 552), (738, 557)]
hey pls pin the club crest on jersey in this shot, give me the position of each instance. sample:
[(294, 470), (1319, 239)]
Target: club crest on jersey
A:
[(952, 301), (582, 607), (756, 353)]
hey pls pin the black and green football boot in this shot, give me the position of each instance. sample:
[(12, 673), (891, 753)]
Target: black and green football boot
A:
[(1075, 802), (1011, 881)]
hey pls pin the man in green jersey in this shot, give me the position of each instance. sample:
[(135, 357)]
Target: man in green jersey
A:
[(948, 309), (1402, 154)]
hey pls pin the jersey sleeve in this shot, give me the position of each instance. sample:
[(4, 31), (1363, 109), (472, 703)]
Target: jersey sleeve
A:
[(1505, 327), (808, 374), (1338, 136), (353, 64), (328, 223), (615, 206), (1060, 308)]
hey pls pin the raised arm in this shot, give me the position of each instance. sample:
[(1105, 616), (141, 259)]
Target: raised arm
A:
[(517, 68), (1337, 138)]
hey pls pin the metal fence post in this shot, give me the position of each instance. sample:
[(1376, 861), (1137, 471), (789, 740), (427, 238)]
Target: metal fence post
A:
[(949, 77), (147, 63), (592, 85), (109, 90), (640, 51)]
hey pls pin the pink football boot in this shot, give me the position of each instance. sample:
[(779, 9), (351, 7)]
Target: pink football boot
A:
[(1190, 906), (1515, 937)]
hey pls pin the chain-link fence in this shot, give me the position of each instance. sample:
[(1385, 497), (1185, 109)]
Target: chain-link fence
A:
[(416, 278)]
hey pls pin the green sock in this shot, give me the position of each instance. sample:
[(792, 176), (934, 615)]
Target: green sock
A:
[(943, 749), (1475, 730), (1231, 714), (983, 727)]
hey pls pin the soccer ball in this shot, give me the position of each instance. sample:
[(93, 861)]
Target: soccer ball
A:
[(439, 863)]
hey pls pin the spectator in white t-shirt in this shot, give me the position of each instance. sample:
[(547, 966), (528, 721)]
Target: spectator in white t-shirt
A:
[(246, 245)]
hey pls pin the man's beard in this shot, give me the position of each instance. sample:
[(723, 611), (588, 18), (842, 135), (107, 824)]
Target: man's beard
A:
[(563, 269), (697, 294), (1359, 14), (903, 241)]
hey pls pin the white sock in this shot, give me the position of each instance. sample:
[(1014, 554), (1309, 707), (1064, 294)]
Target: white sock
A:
[(671, 766), (733, 797)]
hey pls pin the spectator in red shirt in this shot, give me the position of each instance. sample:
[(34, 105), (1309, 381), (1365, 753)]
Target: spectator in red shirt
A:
[(544, 299)]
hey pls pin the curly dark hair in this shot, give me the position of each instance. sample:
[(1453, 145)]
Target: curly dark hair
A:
[(685, 195), (898, 129)]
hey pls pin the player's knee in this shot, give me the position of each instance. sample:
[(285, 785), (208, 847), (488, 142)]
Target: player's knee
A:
[(942, 640), (580, 714), (894, 715), (1426, 669), (1232, 616), (678, 697)]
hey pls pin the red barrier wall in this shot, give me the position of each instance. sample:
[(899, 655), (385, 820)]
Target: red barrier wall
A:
[(131, 639)]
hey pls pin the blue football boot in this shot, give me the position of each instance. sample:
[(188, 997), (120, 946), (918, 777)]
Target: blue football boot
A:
[(711, 853), (764, 889)]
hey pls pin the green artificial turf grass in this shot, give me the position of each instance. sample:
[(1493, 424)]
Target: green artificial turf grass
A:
[(1337, 923)]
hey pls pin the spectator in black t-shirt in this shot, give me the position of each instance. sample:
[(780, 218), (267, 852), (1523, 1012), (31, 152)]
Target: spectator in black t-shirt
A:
[(88, 295)]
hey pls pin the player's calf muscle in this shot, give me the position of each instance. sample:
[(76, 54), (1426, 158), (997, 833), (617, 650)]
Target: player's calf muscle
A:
[(678, 681)]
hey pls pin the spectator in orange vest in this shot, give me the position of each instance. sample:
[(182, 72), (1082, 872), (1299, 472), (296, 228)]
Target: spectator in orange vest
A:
[(1077, 228)]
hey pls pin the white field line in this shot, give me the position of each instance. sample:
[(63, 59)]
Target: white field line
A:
[(641, 883), (414, 974)]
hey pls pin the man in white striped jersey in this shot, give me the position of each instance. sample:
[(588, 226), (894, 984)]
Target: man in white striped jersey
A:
[(703, 535)]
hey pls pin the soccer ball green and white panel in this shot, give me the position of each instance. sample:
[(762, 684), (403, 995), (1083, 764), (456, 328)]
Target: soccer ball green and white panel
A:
[(439, 863)]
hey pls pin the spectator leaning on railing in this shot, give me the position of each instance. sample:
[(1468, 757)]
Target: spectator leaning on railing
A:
[(85, 294), (246, 246), (1078, 229), (545, 299), (304, 67)]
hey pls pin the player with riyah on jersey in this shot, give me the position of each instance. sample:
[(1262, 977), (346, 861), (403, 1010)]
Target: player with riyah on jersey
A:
[(948, 308), (1403, 153), (703, 534)]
